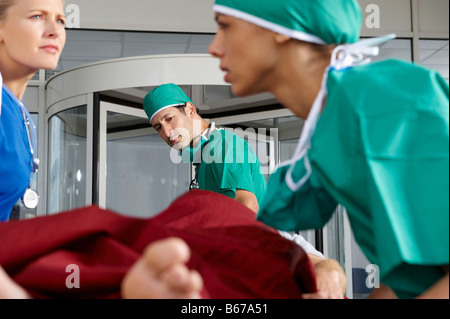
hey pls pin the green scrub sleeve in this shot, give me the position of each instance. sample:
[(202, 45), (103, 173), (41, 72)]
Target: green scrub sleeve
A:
[(239, 165), (387, 162), (381, 150)]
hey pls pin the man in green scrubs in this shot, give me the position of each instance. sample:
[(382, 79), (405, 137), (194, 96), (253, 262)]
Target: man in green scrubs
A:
[(224, 162)]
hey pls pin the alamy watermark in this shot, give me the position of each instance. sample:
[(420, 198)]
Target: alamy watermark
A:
[(373, 276), (73, 16), (372, 17), (73, 280)]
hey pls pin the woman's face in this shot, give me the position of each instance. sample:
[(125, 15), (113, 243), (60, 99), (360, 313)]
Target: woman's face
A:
[(32, 34), (248, 54)]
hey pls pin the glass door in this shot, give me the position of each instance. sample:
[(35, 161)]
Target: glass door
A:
[(136, 174), (67, 182)]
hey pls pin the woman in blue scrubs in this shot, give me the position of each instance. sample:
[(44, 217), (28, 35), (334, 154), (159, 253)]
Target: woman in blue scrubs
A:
[(32, 37), (39, 24)]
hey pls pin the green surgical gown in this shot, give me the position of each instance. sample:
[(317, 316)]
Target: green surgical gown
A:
[(381, 149), (228, 163)]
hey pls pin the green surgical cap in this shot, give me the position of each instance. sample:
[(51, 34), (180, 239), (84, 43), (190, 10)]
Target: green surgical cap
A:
[(315, 21), (164, 96)]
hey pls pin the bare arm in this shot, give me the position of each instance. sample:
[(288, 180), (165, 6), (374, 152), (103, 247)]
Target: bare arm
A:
[(247, 199), (439, 290)]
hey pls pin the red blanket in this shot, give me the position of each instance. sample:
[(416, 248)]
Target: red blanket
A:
[(237, 256)]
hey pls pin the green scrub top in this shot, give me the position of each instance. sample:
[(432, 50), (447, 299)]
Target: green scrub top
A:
[(228, 163), (381, 150)]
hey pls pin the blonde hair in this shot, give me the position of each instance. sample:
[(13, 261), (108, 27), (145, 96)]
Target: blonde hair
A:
[(4, 6)]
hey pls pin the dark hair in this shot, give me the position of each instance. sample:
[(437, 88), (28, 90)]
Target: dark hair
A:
[(182, 108)]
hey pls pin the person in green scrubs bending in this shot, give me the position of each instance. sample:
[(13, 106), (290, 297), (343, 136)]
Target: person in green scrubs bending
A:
[(375, 140), (224, 162)]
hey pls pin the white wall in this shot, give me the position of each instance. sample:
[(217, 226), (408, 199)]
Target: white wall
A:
[(146, 15), (380, 16)]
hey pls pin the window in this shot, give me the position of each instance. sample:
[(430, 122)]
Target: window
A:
[(434, 54)]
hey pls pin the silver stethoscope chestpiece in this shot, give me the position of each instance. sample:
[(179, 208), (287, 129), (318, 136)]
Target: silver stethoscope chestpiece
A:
[(30, 199)]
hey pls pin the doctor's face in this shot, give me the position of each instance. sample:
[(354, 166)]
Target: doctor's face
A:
[(32, 34), (176, 127), (248, 55)]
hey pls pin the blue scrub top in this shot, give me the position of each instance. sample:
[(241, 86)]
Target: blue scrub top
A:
[(15, 154)]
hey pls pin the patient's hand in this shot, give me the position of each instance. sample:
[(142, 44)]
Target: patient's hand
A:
[(330, 279)]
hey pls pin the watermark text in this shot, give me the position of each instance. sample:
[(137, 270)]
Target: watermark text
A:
[(373, 276), (373, 18), (73, 280), (73, 16)]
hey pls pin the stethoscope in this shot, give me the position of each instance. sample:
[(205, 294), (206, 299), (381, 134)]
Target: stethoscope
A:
[(30, 198), (207, 134)]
